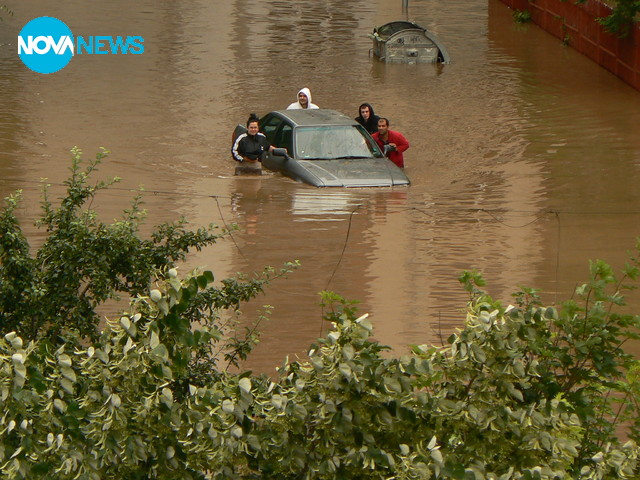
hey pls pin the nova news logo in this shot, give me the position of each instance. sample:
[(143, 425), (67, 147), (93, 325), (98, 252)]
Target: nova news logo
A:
[(46, 45)]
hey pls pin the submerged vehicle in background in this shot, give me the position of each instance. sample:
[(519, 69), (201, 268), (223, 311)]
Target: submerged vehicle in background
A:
[(325, 148)]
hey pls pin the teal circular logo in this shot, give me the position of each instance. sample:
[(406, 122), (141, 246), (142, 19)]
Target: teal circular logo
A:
[(45, 45)]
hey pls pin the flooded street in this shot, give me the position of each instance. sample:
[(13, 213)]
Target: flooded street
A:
[(524, 158)]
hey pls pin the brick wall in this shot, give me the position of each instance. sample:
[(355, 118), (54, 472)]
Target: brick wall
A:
[(576, 25)]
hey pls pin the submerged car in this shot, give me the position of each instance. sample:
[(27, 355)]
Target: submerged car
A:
[(325, 148)]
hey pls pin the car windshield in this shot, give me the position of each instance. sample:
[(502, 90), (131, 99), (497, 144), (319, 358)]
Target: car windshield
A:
[(335, 141)]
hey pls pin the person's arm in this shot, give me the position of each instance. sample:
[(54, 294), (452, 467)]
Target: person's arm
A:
[(265, 143), (401, 144), (237, 154)]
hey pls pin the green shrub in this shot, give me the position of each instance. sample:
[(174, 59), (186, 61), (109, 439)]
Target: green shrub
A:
[(522, 16), (84, 262), (521, 392), (622, 18), (124, 407)]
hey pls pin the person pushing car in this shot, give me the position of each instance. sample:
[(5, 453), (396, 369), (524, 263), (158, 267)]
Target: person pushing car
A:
[(391, 142), (250, 147)]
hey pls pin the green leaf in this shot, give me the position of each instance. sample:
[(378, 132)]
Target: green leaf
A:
[(161, 351), (392, 384), (167, 397), (436, 455), (245, 384), (203, 281), (348, 352), (208, 275), (68, 373), (125, 322), (365, 323), (60, 405), (20, 372), (116, 401), (385, 417), (154, 340), (228, 406), (128, 346), (345, 370), (18, 359), (67, 386), (64, 360)]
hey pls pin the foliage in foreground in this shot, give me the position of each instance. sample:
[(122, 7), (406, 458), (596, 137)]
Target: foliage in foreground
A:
[(84, 262), (521, 392)]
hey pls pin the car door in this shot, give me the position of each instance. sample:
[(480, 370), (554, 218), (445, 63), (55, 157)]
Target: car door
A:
[(279, 133), (269, 125)]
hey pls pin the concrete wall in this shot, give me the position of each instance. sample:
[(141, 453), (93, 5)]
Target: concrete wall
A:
[(576, 25)]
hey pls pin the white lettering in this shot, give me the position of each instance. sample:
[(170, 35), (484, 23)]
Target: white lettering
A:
[(63, 44), (24, 47), (47, 44), (42, 44)]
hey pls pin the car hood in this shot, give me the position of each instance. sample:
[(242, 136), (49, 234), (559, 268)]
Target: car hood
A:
[(355, 172)]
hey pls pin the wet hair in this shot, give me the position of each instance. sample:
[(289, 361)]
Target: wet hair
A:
[(252, 118)]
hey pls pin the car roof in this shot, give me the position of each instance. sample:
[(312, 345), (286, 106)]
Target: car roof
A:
[(315, 117)]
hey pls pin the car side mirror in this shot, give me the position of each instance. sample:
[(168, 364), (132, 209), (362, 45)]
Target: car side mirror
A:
[(280, 152)]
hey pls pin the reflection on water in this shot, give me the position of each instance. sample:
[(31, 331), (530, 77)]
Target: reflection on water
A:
[(322, 204), (524, 154)]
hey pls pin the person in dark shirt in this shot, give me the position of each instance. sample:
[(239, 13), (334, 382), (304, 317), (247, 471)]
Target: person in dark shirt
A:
[(250, 147), (367, 118)]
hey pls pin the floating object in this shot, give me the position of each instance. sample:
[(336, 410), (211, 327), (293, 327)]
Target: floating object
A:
[(407, 42)]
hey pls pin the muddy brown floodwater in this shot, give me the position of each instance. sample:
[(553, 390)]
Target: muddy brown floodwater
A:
[(524, 155)]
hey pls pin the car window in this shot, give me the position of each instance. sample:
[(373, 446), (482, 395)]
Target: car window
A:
[(269, 126), (284, 137), (335, 141)]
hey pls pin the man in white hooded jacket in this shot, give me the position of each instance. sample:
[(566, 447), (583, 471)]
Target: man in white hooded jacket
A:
[(304, 100)]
